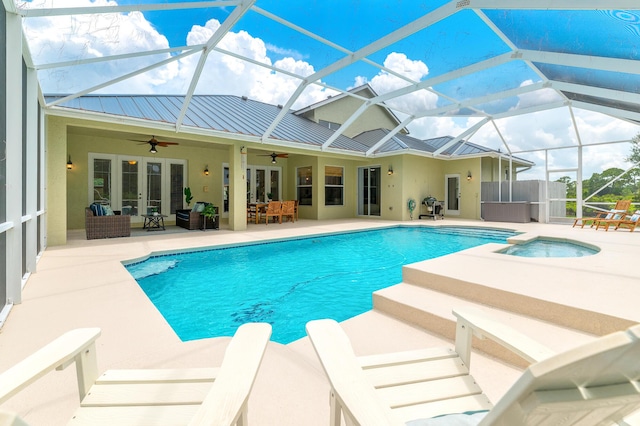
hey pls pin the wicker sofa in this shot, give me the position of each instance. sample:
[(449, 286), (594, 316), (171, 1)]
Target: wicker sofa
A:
[(106, 226)]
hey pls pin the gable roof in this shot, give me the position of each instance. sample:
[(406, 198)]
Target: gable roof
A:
[(363, 88)]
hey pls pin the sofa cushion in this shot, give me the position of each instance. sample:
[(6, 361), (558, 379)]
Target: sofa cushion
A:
[(97, 209)]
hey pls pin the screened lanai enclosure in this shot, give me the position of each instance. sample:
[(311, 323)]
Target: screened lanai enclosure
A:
[(552, 83)]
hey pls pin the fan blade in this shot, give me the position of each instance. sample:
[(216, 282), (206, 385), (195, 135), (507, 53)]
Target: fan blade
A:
[(273, 155), (166, 143)]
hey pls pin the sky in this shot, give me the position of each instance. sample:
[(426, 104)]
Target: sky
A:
[(441, 48)]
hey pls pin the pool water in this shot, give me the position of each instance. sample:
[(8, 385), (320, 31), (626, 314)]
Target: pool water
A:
[(541, 247), (290, 282)]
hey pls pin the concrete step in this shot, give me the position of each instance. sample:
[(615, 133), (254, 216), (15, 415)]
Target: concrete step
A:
[(432, 311), (531, 295)]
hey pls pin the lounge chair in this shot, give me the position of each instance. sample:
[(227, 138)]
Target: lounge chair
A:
[(274, 209), (171, 396), (289, 210), (626, 221), (621, 207), (595, 384)]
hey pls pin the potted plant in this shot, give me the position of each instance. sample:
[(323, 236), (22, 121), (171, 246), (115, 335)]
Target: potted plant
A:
[(209, 213), (269, 196), (187, 195)]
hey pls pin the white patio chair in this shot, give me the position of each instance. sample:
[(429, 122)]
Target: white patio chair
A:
[(595, 384), (193, 396)]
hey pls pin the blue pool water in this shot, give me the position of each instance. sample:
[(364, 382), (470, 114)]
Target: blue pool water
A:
[(288, 283), (541, 247)]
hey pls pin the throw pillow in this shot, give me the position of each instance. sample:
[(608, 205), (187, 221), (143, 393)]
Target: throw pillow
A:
[(97, 209), (108, 211)]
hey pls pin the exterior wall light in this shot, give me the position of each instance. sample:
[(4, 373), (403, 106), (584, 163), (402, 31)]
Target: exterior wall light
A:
[(206, 170), (390, 171), (69, 164), (469, 175)]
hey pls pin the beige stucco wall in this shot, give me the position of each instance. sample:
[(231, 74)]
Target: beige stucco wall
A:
[(493, 170), (469, 189), (421, 177), (340, 110), (203, 188), (57, 178)]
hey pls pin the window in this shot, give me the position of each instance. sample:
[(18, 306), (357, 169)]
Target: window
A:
[(304, 184), (176, 187), (333, 185)]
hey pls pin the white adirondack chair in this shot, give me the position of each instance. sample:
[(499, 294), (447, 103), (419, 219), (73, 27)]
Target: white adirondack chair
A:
[(595, 384), (193, 396)]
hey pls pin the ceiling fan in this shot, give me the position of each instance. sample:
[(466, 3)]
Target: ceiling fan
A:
[(273, 156), (155, 142)]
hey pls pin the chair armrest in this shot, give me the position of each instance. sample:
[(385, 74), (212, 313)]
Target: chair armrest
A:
[(350, 387), (227, 400), (472, 322), (74, 346)]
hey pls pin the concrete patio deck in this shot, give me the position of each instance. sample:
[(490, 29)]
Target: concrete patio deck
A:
[(84, 284)]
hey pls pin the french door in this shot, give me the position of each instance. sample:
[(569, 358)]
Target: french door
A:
[(263, 184), (452, 194), (369, 191), (137, 185)]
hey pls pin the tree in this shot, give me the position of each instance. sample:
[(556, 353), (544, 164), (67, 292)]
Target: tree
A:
[(634, 158), (571, 186)]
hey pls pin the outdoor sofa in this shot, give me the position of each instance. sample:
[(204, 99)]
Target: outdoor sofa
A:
[(106, 226)]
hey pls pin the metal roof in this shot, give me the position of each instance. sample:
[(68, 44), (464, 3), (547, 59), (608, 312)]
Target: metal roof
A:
[(225, 113), (400, 142)]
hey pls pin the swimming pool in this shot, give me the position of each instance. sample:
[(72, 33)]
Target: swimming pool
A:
[(290, 282)]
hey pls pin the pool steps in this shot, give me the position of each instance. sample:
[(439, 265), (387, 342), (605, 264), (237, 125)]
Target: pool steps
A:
[(426, 300)]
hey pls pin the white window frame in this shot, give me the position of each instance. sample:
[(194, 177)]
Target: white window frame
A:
[(341, 186)]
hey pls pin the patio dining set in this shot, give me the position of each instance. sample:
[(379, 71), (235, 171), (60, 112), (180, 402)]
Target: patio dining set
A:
[(257, 212)]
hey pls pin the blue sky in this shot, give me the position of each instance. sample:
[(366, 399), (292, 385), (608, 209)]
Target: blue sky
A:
[(457, 41)]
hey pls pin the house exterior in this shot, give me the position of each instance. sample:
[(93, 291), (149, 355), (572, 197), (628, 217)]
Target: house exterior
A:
[(335, 170), (363, 172)]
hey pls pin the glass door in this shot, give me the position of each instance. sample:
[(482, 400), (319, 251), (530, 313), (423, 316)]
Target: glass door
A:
[(452, 194), (263, 183), (369, 191), (100, 175), (152, 191), (131, 186)]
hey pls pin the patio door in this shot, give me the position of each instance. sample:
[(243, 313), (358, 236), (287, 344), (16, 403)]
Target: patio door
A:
[(452, 195), (263, 183), (134, 185), (369, 191), (131, 185)]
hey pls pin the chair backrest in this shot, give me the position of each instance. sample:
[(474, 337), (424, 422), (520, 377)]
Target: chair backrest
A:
[(622, 205), (288, 208), (594, 384), (274, 207)]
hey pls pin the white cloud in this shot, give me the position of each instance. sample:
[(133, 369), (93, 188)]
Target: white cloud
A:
[(77, 37)]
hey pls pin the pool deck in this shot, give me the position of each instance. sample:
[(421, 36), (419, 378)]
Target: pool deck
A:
[(84, 284)]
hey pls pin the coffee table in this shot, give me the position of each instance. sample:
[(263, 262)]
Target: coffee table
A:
[(154, 222)]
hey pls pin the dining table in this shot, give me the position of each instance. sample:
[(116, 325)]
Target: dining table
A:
[(260, 207)]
